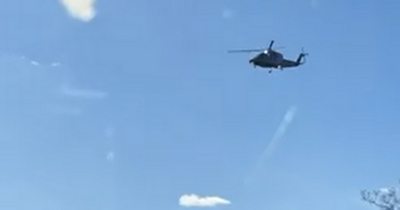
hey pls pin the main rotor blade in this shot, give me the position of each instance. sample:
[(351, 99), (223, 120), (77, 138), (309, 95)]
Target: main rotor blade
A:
[(239, 51), (270, 44)]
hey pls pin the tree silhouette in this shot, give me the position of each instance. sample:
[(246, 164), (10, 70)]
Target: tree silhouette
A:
[(385, 198)]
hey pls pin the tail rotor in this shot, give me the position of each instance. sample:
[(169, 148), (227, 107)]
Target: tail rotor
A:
[(303, 53), (302, 56)]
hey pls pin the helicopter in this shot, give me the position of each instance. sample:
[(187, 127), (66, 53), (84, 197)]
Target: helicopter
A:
[(272, 59)]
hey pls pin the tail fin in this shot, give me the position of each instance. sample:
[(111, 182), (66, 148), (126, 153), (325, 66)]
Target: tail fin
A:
[(302, 55), (298, 61)]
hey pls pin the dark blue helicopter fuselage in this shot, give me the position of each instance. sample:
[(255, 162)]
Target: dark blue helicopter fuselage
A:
[(267, 59)]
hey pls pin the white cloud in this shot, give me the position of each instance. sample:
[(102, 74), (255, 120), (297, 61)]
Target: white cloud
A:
[(80, 9), (192, 200), (384, 190), (35, 63), (79, 93)]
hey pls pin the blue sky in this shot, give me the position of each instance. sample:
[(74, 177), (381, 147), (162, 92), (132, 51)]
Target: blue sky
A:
[(139, 104)]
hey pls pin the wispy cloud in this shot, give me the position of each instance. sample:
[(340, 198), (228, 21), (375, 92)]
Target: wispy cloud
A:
[(80, 9), (55, 64), (80, 93), (110, 156), (287, 119), (227, 13), (193, 200), (110, 132), (314, 3), (35, 63)]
